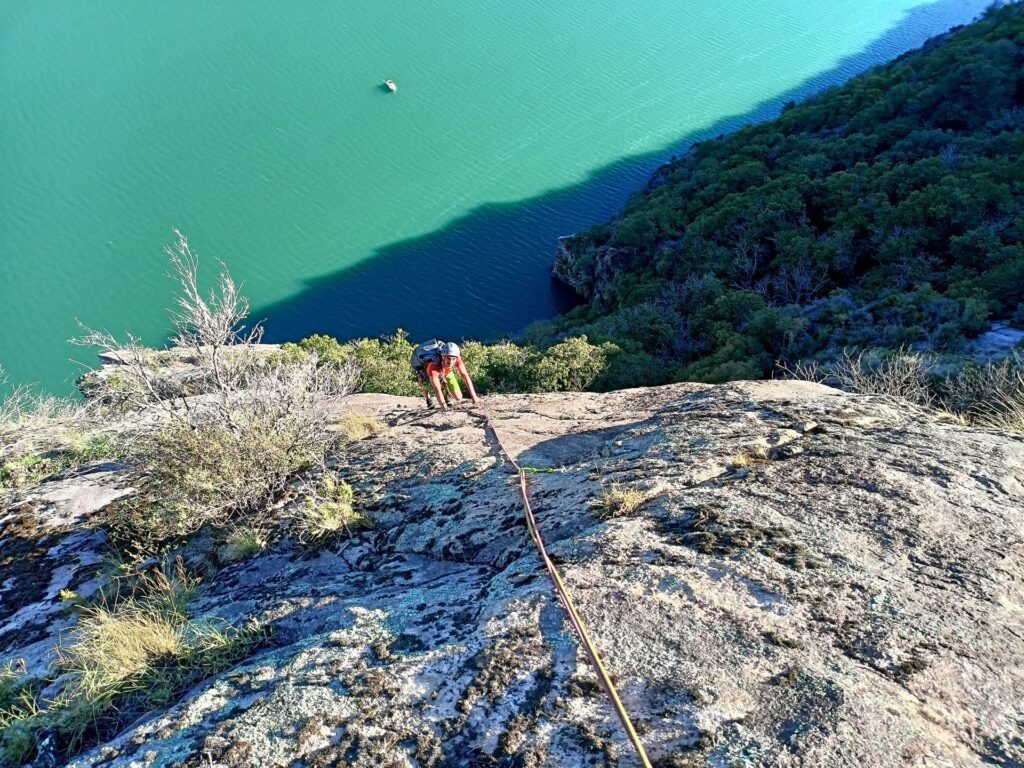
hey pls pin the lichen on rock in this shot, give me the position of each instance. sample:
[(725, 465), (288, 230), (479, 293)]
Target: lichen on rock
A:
[(849, 593)]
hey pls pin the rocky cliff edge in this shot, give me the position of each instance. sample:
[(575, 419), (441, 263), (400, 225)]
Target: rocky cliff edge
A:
[(814, 579)]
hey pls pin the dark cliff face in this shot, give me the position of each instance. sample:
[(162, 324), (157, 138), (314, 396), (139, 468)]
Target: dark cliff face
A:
[(798, 560)]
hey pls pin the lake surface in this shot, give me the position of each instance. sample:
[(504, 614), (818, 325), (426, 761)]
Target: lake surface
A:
[(263, 131)]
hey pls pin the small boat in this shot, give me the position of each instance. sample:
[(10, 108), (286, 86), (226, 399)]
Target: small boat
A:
[(391, 85)]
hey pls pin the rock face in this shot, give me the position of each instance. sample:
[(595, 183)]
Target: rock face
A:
[(820, 579)]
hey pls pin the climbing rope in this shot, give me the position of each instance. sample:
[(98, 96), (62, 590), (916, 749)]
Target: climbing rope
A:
[(566, 600)]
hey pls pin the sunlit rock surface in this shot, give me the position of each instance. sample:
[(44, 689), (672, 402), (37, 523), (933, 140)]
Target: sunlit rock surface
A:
[(824, 580)]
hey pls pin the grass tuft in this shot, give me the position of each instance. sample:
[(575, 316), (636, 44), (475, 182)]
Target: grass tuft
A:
[(358, 426), (242, 543), (329, 511), (617, 500)]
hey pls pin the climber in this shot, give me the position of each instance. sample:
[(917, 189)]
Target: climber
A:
[(435, 363)]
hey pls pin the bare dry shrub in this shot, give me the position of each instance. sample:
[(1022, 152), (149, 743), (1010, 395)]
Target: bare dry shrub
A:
[(226, 453), (904, 374), (974, 386)]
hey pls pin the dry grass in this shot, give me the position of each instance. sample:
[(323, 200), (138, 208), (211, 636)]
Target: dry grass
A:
[(617, 500), (128, 655), (358, 426), (22, 407), (975, 385), (19, 711), (1005, 411)]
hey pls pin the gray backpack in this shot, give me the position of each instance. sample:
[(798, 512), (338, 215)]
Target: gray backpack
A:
[(426, 352)]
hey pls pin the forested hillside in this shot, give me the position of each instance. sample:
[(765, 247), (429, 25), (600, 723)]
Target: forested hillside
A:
[(886, 212)]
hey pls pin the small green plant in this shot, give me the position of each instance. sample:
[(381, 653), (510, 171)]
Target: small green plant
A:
[(242, 543), (25, 470), (79, 449), (329, 511), (19, 713), (618, 500), (86, 448)]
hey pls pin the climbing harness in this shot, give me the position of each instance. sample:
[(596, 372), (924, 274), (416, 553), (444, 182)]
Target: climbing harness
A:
[(566, 600)]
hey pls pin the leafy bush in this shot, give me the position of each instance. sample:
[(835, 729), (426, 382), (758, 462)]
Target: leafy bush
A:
[(328, 350), (206, 473), (384, 365), (572, 365), (501, 367)]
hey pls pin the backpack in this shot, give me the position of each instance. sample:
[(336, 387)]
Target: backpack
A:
[(426, 352)]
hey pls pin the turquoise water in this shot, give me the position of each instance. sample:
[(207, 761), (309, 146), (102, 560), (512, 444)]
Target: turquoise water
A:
[(262, 130)]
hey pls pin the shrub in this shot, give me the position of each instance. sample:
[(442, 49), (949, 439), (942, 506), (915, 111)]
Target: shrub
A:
[(974, 385), (206, 473), (1005, 409), (290, 354), (328, 350), (384, 365), (329, 511), (904, 374), (572, 366), (501, 367)]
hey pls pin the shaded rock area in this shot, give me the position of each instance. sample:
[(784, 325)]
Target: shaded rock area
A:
[(819, 579)]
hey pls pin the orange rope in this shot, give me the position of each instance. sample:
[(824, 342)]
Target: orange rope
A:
[(570, 608)]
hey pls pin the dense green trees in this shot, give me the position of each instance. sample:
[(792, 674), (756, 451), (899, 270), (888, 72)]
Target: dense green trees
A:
[(888, 211)]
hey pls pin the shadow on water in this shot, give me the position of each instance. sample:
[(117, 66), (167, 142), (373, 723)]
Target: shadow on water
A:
[(489, 272)]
